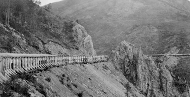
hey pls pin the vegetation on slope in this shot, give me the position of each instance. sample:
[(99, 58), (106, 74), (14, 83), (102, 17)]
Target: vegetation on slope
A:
[(27, 27), (20, 85), (110, 21)]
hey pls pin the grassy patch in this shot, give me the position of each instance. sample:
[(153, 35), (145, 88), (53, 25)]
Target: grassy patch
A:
[(20, 84)]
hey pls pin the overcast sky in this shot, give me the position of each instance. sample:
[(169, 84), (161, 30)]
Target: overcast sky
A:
[(44, 2)]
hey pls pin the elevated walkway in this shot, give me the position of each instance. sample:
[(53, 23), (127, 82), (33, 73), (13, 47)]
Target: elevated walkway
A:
[(12, 63)]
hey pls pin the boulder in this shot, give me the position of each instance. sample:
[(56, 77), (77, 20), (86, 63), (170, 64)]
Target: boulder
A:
[(54, 48)]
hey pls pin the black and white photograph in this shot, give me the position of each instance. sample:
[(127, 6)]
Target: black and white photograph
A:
[(94, 48)]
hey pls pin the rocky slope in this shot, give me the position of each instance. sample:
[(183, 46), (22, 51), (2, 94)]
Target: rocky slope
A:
[(13, 41), (152, 77)]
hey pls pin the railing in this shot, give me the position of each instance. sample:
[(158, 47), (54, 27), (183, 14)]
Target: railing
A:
[(11, 64), (156, 55)]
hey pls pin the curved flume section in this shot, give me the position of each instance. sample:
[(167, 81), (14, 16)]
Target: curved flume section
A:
[(11, 64)]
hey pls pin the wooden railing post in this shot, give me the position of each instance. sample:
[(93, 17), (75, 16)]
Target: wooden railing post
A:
[(45, 61), (8, 64), (50, 58), (42, 63), (41, 58), (35, 66), (11, 67), (30, 63), (51, 61), (2, 66), (37, 63), (56, 61), (33, 63), (25, 64), (21, 64), (62, 60), (15, 63), (18, 63), (48, 62), (59, 60)]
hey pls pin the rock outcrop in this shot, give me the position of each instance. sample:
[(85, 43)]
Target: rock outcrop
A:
[(84, 40), (151, 77), (54, 48)]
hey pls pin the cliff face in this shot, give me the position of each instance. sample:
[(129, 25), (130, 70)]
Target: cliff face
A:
[(152, 78), (84, 40)]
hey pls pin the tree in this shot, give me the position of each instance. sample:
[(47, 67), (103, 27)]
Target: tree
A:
[(8, 13), (48, 7), (4, 4)]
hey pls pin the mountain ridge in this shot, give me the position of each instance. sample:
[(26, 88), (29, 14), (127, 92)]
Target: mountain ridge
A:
[(110, 21)]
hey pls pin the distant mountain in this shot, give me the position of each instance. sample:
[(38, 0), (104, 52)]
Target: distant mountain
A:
[(142, 22)]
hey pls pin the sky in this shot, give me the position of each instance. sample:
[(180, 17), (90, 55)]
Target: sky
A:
[(44, 2)]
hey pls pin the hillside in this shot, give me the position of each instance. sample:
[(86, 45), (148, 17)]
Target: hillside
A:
[(130, 73), (32, 29), (111, 21)]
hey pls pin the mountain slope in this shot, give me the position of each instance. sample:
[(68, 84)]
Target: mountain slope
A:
[(130, 74), (110, 21)]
